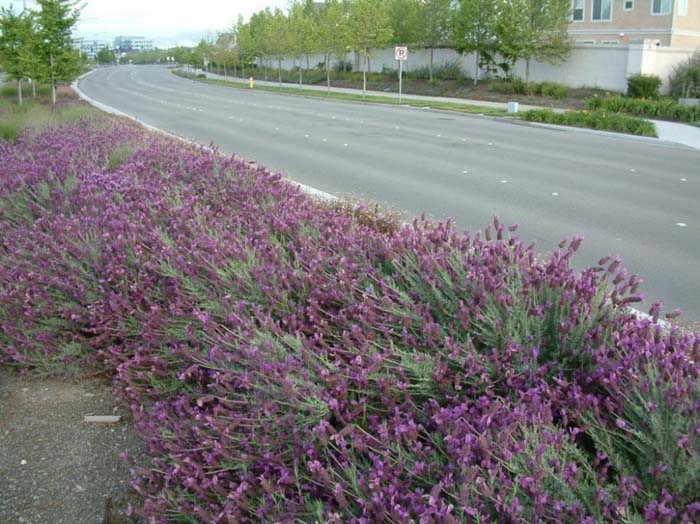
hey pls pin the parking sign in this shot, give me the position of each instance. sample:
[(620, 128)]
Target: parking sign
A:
[(401, 53)]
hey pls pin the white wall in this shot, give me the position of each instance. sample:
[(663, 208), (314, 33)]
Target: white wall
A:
[(601, 66)]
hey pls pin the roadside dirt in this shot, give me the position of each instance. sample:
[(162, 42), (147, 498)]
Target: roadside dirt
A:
[(55, 468)]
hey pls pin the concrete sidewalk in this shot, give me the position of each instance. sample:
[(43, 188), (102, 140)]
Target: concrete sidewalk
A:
[(679, 133), (675, 132)]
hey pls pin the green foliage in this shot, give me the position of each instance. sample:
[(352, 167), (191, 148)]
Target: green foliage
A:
[(104, 56), (474, 31), (118, 156), (685, 79), (61, 62), (370, 28), (601, 120), (643, 86), (451, 70), (517, 86), (650, 438), (664, 108)]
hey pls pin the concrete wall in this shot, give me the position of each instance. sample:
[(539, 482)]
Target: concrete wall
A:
[(601, 66)]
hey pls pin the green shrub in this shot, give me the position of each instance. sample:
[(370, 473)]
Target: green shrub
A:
[(685, 79), (643, 86), (601, 120), (664, 108), (8, 90), (9, 129), (451, 70), (517, 86)]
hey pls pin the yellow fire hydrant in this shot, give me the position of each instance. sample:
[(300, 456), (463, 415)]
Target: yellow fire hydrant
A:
[(251, 82)]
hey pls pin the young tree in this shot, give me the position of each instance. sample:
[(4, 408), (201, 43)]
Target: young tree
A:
[(245, 44), (302, 34), (333, 31), (474, 31), (104, 56), (406, 20), (370, 28), (18, 40), (536, 29), (435, 29), (260, 24), (61, 62), (278, 34)]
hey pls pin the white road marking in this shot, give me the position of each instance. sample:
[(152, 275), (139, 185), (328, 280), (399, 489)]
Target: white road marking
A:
[(490, 143), (633, 170), (684, 179), (681, 224), (555, 194), (504, 181), (464, 140), (465, 172), (324, 140), (345, 145), (306, 136)]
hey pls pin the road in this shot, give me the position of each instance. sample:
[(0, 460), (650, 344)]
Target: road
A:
[(637, 199)]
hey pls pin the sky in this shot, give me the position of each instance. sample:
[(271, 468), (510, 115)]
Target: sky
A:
[(168, 22)]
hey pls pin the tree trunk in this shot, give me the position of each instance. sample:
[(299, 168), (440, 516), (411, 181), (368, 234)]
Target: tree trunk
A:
[(53, 94), (265, 67), (364, 76), (279, 71), (430, 66), (19, 92), (301, 77), (476, 68), (307, 61), (527, 71), (33, 88), (328, 74)]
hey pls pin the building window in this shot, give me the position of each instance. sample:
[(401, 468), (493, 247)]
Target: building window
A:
[(602, 10), (629, 5), (584, 42), (661, 7), (611, 42), (682, 7), (579, 7)]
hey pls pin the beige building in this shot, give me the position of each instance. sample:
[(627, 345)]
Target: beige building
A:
[(673, 23)]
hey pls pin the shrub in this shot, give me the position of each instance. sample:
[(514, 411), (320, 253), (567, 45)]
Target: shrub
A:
[(597, 119), (685, 79), (450, 70), (664, 108), (643, 86), (286, 361), (10, 128), (342, 66), (518, 87)]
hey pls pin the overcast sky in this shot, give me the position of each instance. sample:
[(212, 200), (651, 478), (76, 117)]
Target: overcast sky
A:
[(167, 21)]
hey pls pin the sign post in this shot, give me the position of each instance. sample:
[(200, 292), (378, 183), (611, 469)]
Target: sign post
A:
[(401, 54)]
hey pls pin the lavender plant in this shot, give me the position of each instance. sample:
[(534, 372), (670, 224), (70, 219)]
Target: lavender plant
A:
[(287, 361)]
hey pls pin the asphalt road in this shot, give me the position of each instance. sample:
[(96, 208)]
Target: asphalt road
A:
[(638, 199)]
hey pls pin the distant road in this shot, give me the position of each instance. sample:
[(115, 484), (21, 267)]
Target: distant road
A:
[(638, 199)]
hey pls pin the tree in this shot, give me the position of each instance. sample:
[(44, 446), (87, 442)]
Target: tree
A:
[(474, 25), (260, 36), (406, 21), (435, 29), (245, 43), (370, 28), (536, 29), (104, 56), (18, 41), (61, 62), (278, 34), (333, 39), (302, 34)]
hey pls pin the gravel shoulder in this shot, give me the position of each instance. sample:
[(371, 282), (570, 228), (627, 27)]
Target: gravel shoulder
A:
[(53, 466)]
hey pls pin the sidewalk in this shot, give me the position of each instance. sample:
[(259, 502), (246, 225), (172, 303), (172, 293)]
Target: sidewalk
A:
[(675, 132), (465, 101), (679, 133)]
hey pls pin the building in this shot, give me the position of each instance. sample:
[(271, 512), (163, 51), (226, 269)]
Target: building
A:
[(90, 47), (671, 23), (128, 44)]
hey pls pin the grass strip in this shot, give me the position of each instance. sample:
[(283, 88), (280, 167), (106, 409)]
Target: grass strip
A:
[(348, 97)]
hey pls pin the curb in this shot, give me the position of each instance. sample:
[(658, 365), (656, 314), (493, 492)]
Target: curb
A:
[(317, 193)]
